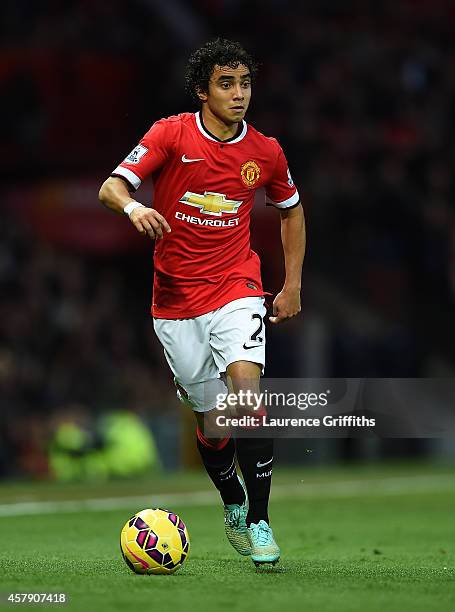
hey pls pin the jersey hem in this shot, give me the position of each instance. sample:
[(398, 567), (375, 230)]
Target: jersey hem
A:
[(161, 314)]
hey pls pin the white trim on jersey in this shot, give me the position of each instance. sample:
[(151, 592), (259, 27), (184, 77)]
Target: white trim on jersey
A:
[(292, 201), (228, 142), (132, 178)]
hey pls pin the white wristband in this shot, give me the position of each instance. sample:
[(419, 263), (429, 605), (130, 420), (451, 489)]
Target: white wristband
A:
[(130, 207)]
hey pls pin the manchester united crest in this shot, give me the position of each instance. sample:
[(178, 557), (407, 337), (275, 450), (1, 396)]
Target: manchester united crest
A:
[(250, 173)]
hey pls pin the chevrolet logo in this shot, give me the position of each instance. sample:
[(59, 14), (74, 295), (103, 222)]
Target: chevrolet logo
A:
[(211, 203)]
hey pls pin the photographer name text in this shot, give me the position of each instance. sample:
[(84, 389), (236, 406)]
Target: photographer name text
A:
[(278, 422)]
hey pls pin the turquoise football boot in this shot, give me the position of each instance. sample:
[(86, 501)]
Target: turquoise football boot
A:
[(264, 549), (235, 524)]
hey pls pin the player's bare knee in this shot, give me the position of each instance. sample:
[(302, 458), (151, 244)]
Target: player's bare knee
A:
[(243, 375), (244, 370)]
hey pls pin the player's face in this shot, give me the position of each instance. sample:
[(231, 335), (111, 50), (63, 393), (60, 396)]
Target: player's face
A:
[(229, 93)]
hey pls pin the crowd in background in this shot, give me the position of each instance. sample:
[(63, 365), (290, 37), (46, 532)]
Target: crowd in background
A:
[(75, 343), (360, 96)]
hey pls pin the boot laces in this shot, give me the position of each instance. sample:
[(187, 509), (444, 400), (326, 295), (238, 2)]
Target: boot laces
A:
[(262, 533)]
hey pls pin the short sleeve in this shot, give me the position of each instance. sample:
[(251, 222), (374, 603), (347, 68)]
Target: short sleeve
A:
[(281, 191), (153, 150)]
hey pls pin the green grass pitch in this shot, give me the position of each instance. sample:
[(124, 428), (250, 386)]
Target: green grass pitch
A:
[(366, 539)]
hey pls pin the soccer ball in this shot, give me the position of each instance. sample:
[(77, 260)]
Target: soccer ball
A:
[(154, 541)]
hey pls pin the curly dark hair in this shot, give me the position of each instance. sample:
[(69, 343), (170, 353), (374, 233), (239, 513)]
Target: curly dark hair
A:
[(221, 52)]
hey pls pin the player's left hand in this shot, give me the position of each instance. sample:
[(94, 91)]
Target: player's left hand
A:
[(286, 305)]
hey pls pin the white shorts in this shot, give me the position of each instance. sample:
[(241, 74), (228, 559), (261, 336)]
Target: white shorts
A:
[(199, 350)]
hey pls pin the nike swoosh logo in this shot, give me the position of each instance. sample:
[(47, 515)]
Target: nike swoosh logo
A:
[(259, 464), (185, 159), (247, 348)]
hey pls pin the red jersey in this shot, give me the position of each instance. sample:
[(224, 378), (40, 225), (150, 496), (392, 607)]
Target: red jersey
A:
[(205, 188)]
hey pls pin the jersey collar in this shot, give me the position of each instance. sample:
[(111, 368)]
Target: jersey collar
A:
[(207, 134)]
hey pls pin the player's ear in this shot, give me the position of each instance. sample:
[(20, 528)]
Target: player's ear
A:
[(201, 94)]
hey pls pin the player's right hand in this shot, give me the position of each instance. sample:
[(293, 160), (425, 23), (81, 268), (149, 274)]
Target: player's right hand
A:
[(149, 222)]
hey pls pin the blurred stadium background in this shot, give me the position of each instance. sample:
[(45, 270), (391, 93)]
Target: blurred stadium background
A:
[(360, 95)]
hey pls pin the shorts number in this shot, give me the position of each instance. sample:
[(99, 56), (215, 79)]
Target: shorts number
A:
[(255, 337)]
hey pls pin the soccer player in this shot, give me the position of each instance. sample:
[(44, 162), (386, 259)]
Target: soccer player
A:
[(208, 301)]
